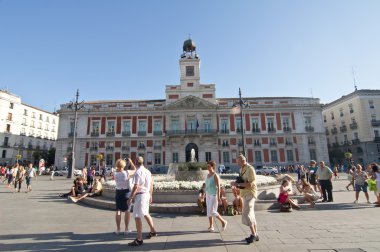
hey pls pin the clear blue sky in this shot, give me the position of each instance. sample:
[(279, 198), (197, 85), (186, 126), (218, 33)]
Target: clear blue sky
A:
[(130, 49)]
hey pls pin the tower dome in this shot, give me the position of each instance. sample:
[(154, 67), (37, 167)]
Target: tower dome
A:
[(189, 46)]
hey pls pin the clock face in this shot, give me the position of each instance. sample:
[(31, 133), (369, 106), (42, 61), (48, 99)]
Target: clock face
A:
[(189, 70)]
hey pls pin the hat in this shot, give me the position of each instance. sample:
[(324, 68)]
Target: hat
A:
[(313, 161)]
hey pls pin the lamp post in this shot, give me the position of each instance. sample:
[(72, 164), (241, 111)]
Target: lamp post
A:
[(76, 106), (241, 104)]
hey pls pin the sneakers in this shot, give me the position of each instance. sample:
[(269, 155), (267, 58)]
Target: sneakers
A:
[(252, 238), (211, 229), (355, 202), (368, 202), (136, 243)]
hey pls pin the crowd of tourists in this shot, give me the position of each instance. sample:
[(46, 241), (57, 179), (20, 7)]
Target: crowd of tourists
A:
[(14, 176)]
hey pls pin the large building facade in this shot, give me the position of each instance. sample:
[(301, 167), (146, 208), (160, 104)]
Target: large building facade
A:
[(24, 129), (277, 130), (352, 124)]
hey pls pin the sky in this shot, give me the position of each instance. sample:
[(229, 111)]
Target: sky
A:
[(127, 50)]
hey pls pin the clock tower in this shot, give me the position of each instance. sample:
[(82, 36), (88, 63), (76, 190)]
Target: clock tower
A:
[(189, 66)]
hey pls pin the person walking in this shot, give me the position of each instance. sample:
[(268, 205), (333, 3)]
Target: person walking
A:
[(90, 176), (20, 175), (361, 184), (142, 195), (213, 197), (324, 174), (376, 177), (30, 174), (350, 178), (313, 180), (248, 188)]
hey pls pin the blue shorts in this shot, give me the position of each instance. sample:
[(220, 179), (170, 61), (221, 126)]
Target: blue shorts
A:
[(28, 180), (121, 200), (359, 188)]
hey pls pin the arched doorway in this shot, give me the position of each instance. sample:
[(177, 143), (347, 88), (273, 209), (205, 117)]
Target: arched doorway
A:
[(189, 147)]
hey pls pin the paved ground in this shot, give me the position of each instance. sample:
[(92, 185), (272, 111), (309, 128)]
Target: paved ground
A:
[(40, 221)]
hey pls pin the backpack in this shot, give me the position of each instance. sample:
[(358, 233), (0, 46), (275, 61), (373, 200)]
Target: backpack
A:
[(285, 207), (230, 210)]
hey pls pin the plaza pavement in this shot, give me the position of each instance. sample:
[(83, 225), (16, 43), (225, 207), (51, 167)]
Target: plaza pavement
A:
[(41, 221)]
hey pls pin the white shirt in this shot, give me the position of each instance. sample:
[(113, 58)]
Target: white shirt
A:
[(121, 180), (31, 173), (143, 178)]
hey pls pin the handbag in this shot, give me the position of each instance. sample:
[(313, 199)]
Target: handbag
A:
[(239, 179)]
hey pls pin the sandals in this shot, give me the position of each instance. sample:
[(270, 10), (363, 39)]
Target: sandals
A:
[(136, 243), (151, 234)]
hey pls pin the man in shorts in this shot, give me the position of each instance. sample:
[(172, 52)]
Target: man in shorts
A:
[(142, 195)]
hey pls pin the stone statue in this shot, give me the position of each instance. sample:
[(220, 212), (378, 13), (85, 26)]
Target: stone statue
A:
[(192, 155)]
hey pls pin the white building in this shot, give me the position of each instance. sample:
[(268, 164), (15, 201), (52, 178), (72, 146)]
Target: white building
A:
[(278, 130), (24, 129), (352, 124)]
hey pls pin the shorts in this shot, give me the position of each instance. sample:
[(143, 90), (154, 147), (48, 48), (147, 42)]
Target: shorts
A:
[(248, 212), (359, 188), (141, 207), (28, 181), (121, 200), (211, 205)]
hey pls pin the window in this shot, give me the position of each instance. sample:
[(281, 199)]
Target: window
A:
[(8, 128), (95, 127), (313, 154), (39, 125), (93, 160), (373, 117), (174, 125), (9, 118), (207, 125), (308, 121), (33, 114), (286, 123), (72, 127), (191, 124), (273, 155), (47, 119), (324, 118), (4, 154), (111, 126), (109, 159), (376, 132), (226, 157), (11, 105), (175, 157), (142, 126), (370, 103), (258, 156), (157, 125), (25, 112), (208, 156), (270, 124), (351, 108), (6, 141), (356, 135), (225, 143), (288, 141), (126, 126), (310, 140), (53, 121), (289, 155), (272, 142), (157, 158), (255, 125), (224, 125), (238, 125), (256, 142), (41, 117), (332, 115), (341, 112)]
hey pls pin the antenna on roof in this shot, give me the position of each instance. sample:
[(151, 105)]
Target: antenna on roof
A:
[(353, 75), (311, 92)]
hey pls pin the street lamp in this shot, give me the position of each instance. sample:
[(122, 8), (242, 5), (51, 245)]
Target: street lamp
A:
[(76, 106), (241, 104)]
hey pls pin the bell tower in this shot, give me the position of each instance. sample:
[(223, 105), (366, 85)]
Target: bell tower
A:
[(189, 66)]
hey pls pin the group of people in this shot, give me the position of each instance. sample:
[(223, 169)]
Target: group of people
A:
[(315, 179), (15, 175)]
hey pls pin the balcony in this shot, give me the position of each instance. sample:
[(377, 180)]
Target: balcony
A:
[(287, 129), (225, 145), (311, 142), (334, 131), (224, 131), (256, 130), (309, 128), (355, 141), (141, 133), (31, 134), (376, 139), (39, 136), (327, 132), (272, 144), (256, 144), (69, 149), (353, 125), (126, 133), (109, 148), (141, 146), (288, 143), (110, 133), (71, 134), (157, 132), (125, 148), (343, 128), (30, 147), (95, 134), (238, 130), (335, 145), (93, 148), (375, 123), (5, 145), (157, 147), (271, 130), (23, 124), (191, 132)]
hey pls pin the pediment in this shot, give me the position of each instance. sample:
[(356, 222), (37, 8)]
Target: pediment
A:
[(191, 102)]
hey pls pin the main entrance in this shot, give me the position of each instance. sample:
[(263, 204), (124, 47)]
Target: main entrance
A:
[(189, 147)]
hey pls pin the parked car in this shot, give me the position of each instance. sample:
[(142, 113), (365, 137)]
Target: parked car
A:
[(65, 172), (266, 171)]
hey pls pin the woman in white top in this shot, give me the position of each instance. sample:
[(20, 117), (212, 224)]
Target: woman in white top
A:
[(122, 193), (309, 194), (376, 176)]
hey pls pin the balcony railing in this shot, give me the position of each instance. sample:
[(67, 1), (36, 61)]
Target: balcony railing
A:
[(225, 145), (287, 129), (140, 146), (224, 131), (343, 128), (157, 132), (39, 136), (376, 139), (311, 142), (5, 145), (271, 130), (157, 147), (375, 123), (288, 143), (191, 132), (126, 133), (71, 134), (238, 130), (110, 133), (256, 130), (355, 141), (256, 144), (334, 131), (69, 149), (353, 125), (335, 145), (22, 134), (31, 134), (327, 132), (126, 148), (141, 133), (272, 144), (94, 134), (109, 148), (309, 128), (30, 147), (93, 148)]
